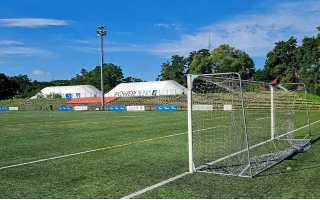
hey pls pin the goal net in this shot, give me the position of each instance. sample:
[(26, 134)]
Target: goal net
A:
[(241, 128)]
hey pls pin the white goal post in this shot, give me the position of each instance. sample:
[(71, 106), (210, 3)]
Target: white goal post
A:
[(246, 126)]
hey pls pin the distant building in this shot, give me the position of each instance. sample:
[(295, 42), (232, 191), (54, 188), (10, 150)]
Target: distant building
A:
[(151, 88), (68, 92)]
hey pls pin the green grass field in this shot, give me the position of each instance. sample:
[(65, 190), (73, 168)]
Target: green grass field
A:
[(127, 161)]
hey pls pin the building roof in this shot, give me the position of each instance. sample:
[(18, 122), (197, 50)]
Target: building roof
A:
[(82, 90), (71, 88), (151, 88)]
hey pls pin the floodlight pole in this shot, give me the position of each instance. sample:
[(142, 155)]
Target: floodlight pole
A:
[(101, 33)]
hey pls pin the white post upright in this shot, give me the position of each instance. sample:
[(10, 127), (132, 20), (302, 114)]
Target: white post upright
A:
[(272, 113), (189, 94)]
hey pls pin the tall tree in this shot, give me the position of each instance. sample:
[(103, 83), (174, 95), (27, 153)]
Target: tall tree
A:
[(308, 58), (19, 84), (112, 75), (200, 62), (282, 61), (228, 59), (130, 79), (6, 87), (261, 75), (174, 70)]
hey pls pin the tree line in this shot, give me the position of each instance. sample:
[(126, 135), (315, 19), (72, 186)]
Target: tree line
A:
[(287, 62), (22, 86), (221, 59)]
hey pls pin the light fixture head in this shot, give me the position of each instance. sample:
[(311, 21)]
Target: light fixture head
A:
[(101, 31)]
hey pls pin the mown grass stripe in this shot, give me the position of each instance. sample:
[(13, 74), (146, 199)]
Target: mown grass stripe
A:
[(98, 149)]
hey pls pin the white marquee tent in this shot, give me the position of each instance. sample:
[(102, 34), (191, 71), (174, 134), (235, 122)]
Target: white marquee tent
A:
[(75, 91), (152, 88)]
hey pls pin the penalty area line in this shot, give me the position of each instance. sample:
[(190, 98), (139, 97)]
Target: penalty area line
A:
[(137, 193), (98, 149)]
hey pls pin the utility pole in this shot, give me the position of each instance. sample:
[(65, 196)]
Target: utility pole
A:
[(101, 31)]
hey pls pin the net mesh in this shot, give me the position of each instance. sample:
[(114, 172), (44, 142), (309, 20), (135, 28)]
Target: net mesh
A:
[(231, 123)]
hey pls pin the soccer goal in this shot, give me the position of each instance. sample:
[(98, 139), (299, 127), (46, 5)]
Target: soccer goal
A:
[(241, 128)]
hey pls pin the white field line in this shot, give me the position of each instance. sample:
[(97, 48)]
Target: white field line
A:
[(130, 115), (137, 193), (214, 118), (255, 127), (47, 122), (262, 118), (99, 149)]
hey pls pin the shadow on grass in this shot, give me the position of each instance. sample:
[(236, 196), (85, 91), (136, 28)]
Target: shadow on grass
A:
[(315, 140), (282, 172), (292, 171)]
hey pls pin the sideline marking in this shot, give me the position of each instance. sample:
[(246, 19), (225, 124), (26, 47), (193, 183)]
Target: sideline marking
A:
[(130, 116), (137, 193), (100, 149)]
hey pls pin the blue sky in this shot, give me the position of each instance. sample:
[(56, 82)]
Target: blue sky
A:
[(55, 39)]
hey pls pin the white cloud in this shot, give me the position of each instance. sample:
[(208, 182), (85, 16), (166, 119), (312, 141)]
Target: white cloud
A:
[(10, 42), (83, 41), (92, 46), (85, 49), (32, 22), (113, 48), (168, 26), (38, 72), (253, 33), (17, 48), (22, 51)]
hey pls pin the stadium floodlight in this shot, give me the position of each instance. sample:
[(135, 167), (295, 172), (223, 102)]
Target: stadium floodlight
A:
[(241, 128), (101, 31)]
